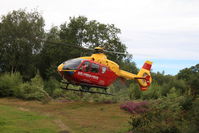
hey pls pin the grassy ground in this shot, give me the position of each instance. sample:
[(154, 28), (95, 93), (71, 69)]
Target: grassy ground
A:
[(61, 116)]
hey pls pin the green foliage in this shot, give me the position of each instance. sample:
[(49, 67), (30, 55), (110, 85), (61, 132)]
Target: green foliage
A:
[(34, 90), (9, 83), (128, 65), (50, 85), (153, 92), (57, 93), (12, 85), (81, 32), (172, 93), (191, 76), (19, 43), (161, 78), (168, 115), (164, 85), (187, 102), (135, 92), (192, 117)]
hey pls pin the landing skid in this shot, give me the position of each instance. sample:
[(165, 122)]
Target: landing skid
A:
[(88, 91), (85, 88)]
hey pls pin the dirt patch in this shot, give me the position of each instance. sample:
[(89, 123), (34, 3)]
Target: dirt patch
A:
[(23, 109), (64, 132), (62, 126)]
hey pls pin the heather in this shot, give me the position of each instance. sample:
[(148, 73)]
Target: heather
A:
[(177, 115), (135, 107)]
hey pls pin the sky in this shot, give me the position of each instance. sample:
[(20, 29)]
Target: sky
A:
[(165, 32)]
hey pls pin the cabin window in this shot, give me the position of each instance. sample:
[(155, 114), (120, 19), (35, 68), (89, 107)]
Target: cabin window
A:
[(94, 68), (72, 64), (104, 69), (85, 66)]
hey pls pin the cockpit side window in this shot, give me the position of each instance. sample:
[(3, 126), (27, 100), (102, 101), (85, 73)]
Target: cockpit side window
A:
[(94, 68), (85, 66), (104, 69)]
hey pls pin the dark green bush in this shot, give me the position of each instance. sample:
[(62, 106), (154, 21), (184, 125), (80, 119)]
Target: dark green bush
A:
[(187, 102), (57, 92), (135, 92), (192, 117), (12, 85), (33, 90), (9, 83), (153, 92), (52, 86)]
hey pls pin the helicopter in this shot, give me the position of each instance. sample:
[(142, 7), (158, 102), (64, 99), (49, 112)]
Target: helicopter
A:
[(96, 71)]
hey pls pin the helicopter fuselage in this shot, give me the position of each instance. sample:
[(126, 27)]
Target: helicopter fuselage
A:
[(87, 72), (97, 71)]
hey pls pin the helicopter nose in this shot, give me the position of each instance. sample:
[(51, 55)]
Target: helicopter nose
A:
[(59, 68)]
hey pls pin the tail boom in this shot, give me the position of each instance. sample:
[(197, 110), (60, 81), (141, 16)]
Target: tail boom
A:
[(143, 78)]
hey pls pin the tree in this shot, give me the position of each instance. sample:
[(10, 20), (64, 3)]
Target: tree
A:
[(19, 43), (191, 76), (81, 32), (52, 55)]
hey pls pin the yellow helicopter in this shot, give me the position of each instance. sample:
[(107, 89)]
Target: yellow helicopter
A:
[(99, 72)]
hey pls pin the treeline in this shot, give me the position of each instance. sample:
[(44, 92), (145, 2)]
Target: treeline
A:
[(23, 49)]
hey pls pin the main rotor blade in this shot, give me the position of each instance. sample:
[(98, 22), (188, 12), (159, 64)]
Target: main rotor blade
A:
[(68, 45), (119, 53), (80, 47)]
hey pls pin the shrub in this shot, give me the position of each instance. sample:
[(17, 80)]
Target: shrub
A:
[(57, 93), (52, 86), (12, 85), (105, 99), (168, 115), (173, 93), (135, 107), (135, 91), (33, 90), (153, 92), (186, 102), (192, 117), (9, 83)]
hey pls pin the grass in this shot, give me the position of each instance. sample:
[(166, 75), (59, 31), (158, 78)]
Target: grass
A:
[(72, 117), (13, 120)]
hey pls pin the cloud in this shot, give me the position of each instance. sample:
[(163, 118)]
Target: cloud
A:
[(164, 44)]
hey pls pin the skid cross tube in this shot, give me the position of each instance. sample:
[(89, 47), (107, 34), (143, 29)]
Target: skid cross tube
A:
[(88, 91)]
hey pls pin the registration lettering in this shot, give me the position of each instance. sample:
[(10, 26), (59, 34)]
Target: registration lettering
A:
[(88, 75)]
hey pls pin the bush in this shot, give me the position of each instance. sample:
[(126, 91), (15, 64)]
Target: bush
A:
[(135, 91), (168, 115), (9, 83), (135, 107), (103, 99), (52, 86), (57, 93), (33, 90), (12, 85), (192, 117), (173, 93)]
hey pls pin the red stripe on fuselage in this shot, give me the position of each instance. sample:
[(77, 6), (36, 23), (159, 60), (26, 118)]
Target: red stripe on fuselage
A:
[(147, 66)]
